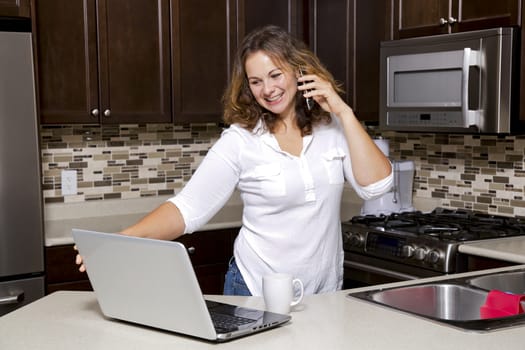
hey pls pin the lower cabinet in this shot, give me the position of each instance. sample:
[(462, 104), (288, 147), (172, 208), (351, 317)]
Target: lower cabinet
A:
[(477, 263), (62, 272), (209, 251)]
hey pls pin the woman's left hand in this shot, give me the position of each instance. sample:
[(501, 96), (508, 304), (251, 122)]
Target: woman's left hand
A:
[(323, 93)]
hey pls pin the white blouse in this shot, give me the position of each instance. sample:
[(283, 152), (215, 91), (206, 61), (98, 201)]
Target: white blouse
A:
[(291, 216)]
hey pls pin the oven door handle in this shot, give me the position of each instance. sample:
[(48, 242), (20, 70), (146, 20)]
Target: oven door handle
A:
[(14, 297), (378, 270)]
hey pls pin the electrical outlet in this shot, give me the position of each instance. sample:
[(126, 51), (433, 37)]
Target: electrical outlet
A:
[(69, 182)]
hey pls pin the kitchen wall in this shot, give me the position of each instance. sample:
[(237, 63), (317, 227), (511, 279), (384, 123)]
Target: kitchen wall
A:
[(481, 172), (122, 161), (484, 173)]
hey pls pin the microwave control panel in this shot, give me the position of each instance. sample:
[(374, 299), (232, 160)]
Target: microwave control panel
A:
[(427, 118)]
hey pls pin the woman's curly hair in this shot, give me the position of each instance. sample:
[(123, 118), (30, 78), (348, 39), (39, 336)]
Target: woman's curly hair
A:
[(239, 104)]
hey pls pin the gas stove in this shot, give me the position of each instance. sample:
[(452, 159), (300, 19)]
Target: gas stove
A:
[(424, 240)]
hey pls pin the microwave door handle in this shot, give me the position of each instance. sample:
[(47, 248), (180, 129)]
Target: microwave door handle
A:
[(470, 117)]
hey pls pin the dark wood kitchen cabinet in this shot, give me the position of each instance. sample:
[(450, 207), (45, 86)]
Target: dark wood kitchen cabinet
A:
[(287, 14), (15, 8), (345, 34), (205, 36), (209, 251), (103, 61), (203, 41), (62, 272), (414, 18)]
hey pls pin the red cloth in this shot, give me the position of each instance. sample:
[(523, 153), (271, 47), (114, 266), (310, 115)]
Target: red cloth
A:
[(502, 304)]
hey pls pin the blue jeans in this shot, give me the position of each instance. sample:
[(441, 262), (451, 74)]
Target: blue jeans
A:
[(234, 282)]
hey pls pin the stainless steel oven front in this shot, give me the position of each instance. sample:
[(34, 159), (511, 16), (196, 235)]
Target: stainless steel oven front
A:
[(411, 245), (362, 270)]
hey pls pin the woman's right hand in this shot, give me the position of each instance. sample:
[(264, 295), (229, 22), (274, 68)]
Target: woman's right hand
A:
[(79, 261), (324, 93)]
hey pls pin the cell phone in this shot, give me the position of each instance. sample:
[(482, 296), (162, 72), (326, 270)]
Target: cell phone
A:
[(309, 101)]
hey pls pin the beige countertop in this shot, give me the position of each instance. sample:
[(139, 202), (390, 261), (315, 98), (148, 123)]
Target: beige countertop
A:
[(73, 320), (117, 214), (508, 249)]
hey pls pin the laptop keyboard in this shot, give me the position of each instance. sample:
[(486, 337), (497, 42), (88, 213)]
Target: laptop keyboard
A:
[(224, 322)]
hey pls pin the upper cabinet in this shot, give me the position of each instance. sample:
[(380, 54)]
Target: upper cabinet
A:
[(136, 61), (287, 14), (15, 8), (203, 42), (345, 34), (103, 61), (414, 18), (130, 61), (205, 36)]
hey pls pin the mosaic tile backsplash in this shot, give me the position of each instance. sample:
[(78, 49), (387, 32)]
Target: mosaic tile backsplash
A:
[(480, 172), (122, 161)]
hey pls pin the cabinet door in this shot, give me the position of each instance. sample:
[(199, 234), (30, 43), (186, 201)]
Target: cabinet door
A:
[(103, 61), (481, 14), (414, 18), (336, 52), (66, 56), (210, 252), (371, 26), (287, 14), (352, 55), (61, 271), (420, 17), (134, 56), (203, 43), (15, 8)]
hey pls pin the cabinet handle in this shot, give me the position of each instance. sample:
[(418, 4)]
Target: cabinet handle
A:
[(450, 21), (191, 250), (95, 112), (107, 113)]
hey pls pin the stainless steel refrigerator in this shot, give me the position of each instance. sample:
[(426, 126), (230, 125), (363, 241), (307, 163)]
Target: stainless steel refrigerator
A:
[(21, 214)]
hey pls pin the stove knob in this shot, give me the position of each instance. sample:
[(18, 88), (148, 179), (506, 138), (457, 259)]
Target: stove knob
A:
[(346, 237), (420, 254), (433, 256), (356, 240), (407, 251)]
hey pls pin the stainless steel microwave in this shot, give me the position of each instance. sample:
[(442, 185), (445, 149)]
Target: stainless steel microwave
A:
[(462, 82)]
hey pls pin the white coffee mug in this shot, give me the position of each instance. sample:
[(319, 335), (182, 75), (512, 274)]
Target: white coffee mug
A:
[(278, 292)]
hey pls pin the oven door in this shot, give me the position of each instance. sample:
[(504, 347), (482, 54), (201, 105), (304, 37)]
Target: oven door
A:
[(363, 270)]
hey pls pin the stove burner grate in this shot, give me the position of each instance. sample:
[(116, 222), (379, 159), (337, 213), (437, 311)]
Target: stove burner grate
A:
[(447, 224)]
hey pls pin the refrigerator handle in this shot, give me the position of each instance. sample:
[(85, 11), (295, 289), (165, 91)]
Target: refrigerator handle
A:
[(14, 297)]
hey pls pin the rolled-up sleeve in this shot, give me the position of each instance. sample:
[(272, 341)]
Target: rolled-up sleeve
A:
[(375, 189), (372, 190), (211, 185)]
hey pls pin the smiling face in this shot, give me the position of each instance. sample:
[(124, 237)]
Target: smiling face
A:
[(273, 86)]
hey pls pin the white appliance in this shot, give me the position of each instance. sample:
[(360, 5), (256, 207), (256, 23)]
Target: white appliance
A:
[(399, 198)]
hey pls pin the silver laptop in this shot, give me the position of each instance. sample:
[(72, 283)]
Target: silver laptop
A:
[(152, 283)]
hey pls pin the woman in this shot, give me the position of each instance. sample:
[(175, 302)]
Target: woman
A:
[(289, 161)]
